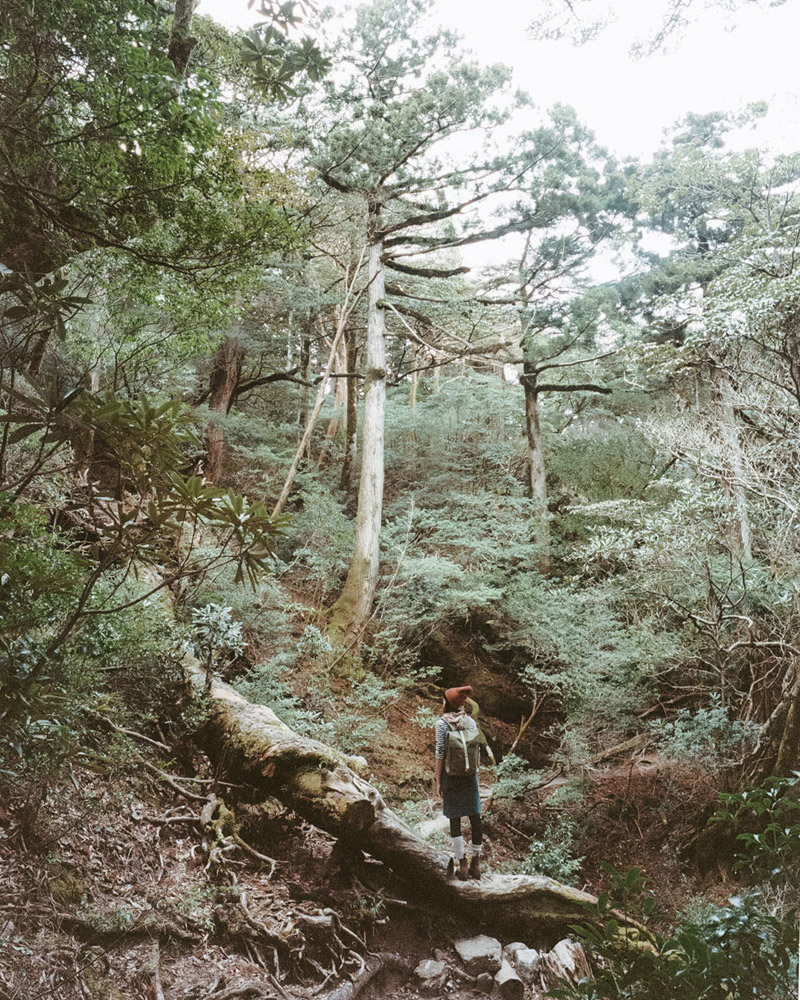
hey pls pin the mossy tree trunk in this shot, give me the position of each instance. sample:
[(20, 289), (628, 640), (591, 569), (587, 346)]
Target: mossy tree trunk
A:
[(733, 461), (181, 43)]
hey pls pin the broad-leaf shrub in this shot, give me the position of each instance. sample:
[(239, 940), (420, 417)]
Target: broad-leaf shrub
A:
[(216, 635), (733, 951), (766, 823)]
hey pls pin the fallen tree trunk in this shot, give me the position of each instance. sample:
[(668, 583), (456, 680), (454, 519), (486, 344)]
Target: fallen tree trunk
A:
[(324, 787)]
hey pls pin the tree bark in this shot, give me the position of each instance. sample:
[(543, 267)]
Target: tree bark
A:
[(373, 967), (339, 404), (354, 605), (305, 392), (225, 375), (537, 480), (351, 424), (324, 787), (412, 395)]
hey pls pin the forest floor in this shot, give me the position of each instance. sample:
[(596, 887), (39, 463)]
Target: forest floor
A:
[(121, 883)]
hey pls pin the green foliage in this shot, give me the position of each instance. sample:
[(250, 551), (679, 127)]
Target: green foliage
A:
[(611, 462), (552, 854), (145, 144), (425, 717), (469, 432), (215, 634), (426, 594), (274, 61), (418, 815), (650, 535), (137, 649), (514, 778), (320, 537), (316, 714), (39, 580), (125, 663), (732, 951), (43, 304), (39, 574), (263, 610), (585, 645), (708, 737), (766, 822)]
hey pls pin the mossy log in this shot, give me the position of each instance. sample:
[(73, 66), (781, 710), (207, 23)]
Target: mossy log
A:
[(326, 788)]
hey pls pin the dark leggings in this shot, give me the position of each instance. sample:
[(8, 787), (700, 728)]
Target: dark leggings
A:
[(475, 825)]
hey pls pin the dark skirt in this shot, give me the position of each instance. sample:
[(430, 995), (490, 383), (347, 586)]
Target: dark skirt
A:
[(460, 796)]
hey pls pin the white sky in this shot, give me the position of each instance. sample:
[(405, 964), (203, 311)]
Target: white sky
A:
[(629, 102)]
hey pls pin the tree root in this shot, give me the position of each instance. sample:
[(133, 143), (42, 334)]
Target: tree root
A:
[(105, 927), (374, 965), (249, 991)]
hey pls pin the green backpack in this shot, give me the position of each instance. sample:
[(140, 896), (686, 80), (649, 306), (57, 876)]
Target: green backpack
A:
[(462, 751)]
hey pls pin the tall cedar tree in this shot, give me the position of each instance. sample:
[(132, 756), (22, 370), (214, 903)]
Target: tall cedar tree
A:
[(385, 135)]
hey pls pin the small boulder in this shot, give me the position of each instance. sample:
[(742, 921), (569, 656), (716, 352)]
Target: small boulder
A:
[(429, 969), (527, 962), (480, 954), (510, 950), (509, 984)]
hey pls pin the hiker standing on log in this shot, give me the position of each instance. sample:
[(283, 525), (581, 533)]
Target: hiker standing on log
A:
[(456, 777)]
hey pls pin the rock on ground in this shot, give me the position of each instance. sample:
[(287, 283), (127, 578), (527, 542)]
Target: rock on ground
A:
[(479, 954)]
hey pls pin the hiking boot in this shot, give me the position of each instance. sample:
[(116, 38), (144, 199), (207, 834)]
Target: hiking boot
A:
[(451, 867), (463, 870), (475, 867)]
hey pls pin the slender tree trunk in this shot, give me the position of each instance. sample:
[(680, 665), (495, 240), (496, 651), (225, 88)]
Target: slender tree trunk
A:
[(412, 394), (305, 392), (342, 319), (311, 421), (181, 43), (339, 404), (351, 424), (537, 480), (225, 376), (732, 456), (352, 609)]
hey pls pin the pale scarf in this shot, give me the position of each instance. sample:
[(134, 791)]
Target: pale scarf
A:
[(457, 719)]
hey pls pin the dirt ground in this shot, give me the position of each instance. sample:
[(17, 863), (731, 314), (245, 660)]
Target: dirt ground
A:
[(118, 891)]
